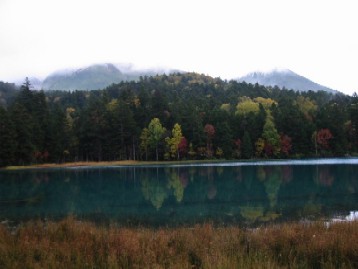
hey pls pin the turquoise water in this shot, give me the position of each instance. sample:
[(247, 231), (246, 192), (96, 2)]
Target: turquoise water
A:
[(240, 193)]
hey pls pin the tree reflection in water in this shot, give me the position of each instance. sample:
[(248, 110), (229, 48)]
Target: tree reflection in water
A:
[(171, 194)]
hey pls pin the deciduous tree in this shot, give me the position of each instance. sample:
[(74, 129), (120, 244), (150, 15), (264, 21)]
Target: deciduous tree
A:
[(155, 131), (174, 141), (271, 136), (323, 138), (286, 144), (210, 133)]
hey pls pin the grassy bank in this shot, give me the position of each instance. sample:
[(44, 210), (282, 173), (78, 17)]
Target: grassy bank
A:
[(107, 163), (73, 244)]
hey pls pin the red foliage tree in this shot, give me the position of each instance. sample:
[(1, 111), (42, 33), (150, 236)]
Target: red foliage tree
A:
[(286, 144), (210, 133), (209, 130), (183, 146), (323, 137)]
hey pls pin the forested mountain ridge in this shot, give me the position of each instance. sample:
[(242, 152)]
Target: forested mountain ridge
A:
[(177, 116)]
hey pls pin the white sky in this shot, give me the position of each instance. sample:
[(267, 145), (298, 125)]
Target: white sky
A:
[(314, 38)]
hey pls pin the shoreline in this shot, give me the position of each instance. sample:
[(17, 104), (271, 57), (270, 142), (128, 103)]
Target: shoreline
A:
[(316, 161), (106, 163)]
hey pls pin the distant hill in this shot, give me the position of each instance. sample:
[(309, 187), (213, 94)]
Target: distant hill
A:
[(284, 78), (95, 77)]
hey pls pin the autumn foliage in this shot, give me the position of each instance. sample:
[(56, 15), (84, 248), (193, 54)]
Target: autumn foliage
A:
[(323, 138), (135, 120)]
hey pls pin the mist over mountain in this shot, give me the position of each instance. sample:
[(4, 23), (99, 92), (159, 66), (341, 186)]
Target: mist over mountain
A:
[(284, 78), (97, 76), (100, 76)]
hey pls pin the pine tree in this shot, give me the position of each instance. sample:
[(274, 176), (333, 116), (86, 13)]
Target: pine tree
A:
[(7, 139), (247, 150), (23, 126)]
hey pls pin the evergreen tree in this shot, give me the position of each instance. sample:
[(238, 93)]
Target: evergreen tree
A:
[(247, 150), (57, 145), (23, 126), (7, 139), (353, 111)]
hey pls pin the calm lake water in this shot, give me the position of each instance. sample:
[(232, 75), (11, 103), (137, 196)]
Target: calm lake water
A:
[(240, 193)]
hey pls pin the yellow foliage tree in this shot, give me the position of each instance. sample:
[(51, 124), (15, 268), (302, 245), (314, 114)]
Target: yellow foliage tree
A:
[(259, 146), (265, 102), (174, 141), (246, 105), (306, 106)]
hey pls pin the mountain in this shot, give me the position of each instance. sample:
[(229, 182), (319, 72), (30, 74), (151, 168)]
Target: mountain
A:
[(284, 78), (95, 77), (100, 76)]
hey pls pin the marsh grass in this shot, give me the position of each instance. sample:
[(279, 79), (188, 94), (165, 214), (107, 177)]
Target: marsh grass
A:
[(75, 244)]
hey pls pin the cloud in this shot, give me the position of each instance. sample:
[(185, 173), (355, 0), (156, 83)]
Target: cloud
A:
[(221, 38)]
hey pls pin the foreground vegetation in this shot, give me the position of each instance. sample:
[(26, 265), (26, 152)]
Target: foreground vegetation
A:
[(74, 244)]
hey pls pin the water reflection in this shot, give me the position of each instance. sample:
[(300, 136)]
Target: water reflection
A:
[(324, 176), (182, 195)]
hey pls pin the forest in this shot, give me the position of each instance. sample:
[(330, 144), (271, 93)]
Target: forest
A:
[(182, 116)]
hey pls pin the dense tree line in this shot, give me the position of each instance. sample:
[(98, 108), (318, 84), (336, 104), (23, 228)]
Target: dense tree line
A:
[(180, 116)]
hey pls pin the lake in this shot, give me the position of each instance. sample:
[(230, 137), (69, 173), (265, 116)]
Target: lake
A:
[(238, 193)]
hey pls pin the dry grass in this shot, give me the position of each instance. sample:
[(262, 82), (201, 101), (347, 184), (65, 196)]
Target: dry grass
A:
[(106, 163), (73, 244), (74, 164)]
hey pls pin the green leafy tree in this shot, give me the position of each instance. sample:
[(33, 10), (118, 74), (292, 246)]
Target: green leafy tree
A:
[(144, 142), (156, 131), (271, 137)]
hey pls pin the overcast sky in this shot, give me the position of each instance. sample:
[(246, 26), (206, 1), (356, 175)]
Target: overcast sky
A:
[(314, 38)]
